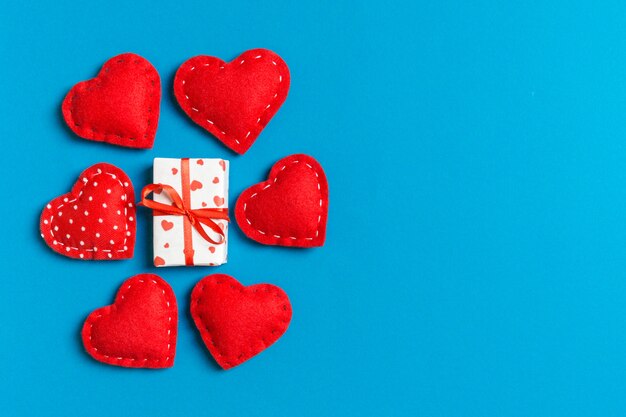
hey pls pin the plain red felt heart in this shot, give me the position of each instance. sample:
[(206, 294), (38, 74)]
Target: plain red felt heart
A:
[(234, 101), (290, 208), (120, 106), (237, 322), (96, 220), (139, 329)]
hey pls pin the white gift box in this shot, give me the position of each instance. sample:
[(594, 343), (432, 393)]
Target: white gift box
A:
[(201, 184)]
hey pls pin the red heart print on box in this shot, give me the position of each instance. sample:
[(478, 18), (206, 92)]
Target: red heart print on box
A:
[(120, 106), (139, 329), (166, 225), (234, 101), (195, 185), (290, 208), (96, 220), (237, 322), (219, 201)]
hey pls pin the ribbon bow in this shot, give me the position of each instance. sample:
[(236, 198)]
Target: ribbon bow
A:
[(197, 217)]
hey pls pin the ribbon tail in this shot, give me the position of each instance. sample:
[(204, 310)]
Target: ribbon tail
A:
[(213, 226)]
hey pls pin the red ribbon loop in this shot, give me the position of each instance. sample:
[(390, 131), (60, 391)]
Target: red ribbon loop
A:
[(197, 217)]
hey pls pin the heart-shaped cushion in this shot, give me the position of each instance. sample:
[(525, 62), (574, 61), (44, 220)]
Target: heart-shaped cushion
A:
[(120, 106), (96, 220), (234, 101), (237, 322), (139, 329), (290, 208)]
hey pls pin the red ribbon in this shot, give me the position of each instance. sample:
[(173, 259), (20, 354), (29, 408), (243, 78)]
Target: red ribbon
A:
[(197, 217)]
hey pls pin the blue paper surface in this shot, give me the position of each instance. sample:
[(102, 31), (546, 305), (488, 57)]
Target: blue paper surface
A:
[(475, 262)]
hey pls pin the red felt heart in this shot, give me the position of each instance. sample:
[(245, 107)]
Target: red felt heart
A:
[(290, 208), (166, 225), (237, 322), (234, 101), (139, 329), (96, 220), (120, 106)]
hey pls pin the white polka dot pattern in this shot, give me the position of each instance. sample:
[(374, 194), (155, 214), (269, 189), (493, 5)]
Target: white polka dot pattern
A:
[(93, 221)]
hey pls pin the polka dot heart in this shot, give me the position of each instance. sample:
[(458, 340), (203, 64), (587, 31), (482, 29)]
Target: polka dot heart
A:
[(96, 220)]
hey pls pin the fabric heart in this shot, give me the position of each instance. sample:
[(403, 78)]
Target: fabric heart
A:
[(290, 208), (120, 106), (233, 101), (139, 329), (237, 322), (96, 220)]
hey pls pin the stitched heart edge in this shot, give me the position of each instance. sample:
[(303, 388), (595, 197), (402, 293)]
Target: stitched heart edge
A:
[(238, 144), (207, 336), (269, 238), (170, 300)]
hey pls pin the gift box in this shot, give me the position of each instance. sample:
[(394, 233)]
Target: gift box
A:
[(190, 209)]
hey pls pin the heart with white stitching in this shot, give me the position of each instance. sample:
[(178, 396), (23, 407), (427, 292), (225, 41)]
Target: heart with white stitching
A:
[(120, 106), (290, 208), (233, 101), (139, 329), (96, 219), (237, 322)]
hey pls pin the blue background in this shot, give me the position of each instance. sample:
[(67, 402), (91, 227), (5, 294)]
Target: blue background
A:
[(475, 262)]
